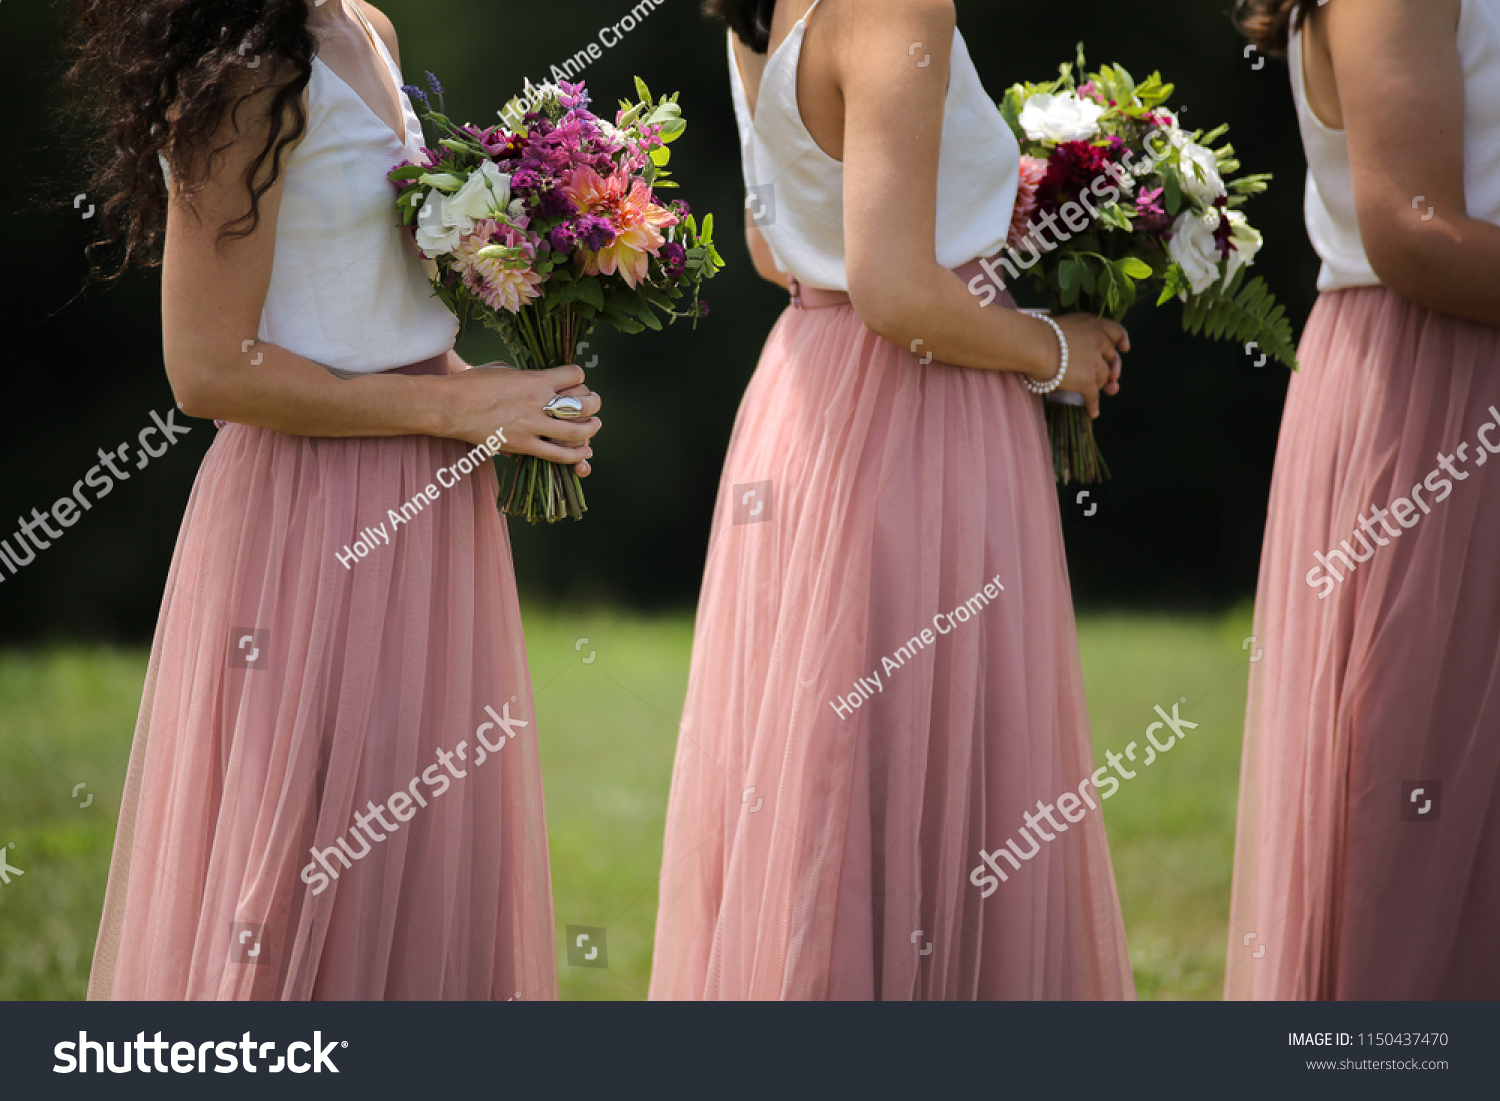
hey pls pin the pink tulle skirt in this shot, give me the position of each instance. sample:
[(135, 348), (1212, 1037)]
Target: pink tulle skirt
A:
[(334, 790), (868, 709), (1367, 862)]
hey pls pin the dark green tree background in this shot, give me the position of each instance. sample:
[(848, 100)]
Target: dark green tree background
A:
[(1191, 439)]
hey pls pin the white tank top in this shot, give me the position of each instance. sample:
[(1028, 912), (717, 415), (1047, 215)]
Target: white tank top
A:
[(348, 287), (1331, 222), (797, 190)]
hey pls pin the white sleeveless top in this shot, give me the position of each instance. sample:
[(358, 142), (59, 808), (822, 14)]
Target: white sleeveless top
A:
[(348, 287), (1331, 222), (978, 170)]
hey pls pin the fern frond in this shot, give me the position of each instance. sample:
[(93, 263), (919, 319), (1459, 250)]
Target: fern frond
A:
[(1242, 314)]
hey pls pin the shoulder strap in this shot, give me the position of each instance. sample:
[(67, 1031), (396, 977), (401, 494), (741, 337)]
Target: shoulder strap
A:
[(375, 39)]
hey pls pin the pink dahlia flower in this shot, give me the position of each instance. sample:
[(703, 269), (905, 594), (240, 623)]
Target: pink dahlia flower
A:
[(633, 213), (495, 262), (1032, 173)]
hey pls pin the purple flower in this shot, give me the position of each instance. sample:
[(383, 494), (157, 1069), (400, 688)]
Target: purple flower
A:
[(414, 93), (594, 233), (564, 237), (573, 95), (702, 308), (673, 260), (680, 208), (432, 82), (433, 159), (401, 185), (527, 181), (555, 204)]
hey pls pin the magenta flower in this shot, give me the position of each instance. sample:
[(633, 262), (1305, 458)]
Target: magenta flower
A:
[(1149, 214), (673, 260)]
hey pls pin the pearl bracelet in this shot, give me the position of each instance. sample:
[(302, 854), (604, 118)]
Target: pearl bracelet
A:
[(1062, 370)]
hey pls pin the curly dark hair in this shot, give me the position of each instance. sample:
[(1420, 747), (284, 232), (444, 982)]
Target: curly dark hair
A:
[(162, 77), (749, 19), (1269, 23)]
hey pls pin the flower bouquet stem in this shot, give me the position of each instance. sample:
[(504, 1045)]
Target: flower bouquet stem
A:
[(531, 488), (1075, 454)]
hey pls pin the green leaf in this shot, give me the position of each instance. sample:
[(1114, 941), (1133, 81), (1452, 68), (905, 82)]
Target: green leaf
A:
[(1243, 314), (1088, 281), (654, 296), (648, 317), (1069, 277), (1172, 285), (1213, 135), (590, 291), (1134, 267), (1010, 110), (1173, 193), (623, 322)]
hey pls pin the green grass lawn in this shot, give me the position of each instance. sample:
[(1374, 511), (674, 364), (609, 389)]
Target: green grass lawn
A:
[(608, 727)]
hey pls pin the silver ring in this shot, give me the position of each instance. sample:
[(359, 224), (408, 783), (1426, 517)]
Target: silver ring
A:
[(564, 409)]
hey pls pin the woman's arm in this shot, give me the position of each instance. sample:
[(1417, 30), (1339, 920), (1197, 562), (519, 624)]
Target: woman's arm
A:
[(893, 124), (1401, 96), (212, 298)]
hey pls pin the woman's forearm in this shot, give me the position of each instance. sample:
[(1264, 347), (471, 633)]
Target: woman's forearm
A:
[(1450, 265), (280, 390), (939, 315)]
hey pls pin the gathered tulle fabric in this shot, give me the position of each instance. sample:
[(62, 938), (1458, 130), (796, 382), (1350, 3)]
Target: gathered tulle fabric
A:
[(823, 851), (353, 680), (1346, 884)]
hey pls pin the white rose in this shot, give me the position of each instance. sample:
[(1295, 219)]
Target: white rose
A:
[(435, 235), (1245, 241), (1194, 249), (1200, 174), (485, 194), (442, 220), (1060, 118)]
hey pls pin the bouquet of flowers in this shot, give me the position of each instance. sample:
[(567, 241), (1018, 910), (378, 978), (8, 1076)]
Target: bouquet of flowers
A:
[(1130, 198), (547, 223)]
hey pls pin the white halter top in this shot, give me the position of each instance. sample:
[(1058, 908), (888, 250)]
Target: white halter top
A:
[(797, 190), (348, 288), (1331, 221)]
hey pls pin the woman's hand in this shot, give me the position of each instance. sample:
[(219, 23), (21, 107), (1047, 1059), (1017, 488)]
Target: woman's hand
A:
[(1095, 345), (493, 396)]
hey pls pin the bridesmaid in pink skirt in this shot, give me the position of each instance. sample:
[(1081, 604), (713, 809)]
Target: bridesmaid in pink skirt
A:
[(1367, 864), (885, 684), (334, 790)]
